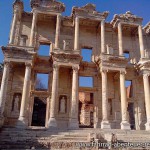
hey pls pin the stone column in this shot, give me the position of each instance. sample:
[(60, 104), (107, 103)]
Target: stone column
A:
[(58, 24), (12, 32), (120, 41), (22, 120), (105, 123), (76, 38), (147, 99), (52, 123), (141, 42), (3, 91), (73, 122), (33, 29), (103, 49), (124, 124)]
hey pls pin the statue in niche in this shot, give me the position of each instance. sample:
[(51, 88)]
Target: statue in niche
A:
[(109, 50), (16, 104), (62, 105), (65, 45)]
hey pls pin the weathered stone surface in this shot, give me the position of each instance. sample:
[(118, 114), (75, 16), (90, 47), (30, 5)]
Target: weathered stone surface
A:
[(64, 104)]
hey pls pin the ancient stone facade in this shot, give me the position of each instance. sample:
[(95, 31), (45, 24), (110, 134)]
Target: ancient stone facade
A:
[(105, 105)]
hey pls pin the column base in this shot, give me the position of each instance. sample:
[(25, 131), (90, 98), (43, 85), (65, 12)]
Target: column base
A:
[(147, 126), (97, 125), (21, 123), (73, 124), (105, 125), (52, 123), (1, 121), (125, 125)]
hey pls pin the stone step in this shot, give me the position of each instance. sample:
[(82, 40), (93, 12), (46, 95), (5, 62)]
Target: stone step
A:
[(41, 138)]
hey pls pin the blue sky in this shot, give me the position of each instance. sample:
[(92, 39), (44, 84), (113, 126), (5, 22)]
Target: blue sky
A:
[(138, 7)]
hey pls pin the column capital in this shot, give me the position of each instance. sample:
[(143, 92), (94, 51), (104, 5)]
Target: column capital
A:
[(59, 16), (103, 21), (75, 69), (123, 72), (55, 66), (120, 24), (104, 70), (77, 18), (27, 64), (140, 26), (16, 11), (146, 75), (35, 13), (6, 64)]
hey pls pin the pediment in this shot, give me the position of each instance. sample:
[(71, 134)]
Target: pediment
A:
[(127, 18), (89, 10), (89, 7), (48, 5)]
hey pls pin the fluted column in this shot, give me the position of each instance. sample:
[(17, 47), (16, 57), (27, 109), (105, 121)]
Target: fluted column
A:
[(141, 42), (73, 122), (105, 123), (124, 124), (3, 91), (52, 123), (103, 49), (76, 38), (22, 120), (58, 24), (120, 41), (34, 20), (12, 32), (147, 99)]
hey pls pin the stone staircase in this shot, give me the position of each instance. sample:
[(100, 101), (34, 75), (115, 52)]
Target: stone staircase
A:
[(41, 138)]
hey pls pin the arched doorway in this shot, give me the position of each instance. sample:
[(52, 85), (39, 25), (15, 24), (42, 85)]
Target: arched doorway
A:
[(39, 112)]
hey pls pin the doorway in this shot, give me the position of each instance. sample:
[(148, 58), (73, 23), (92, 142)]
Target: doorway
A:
[(86, 110), (131, 115), (39, 112)]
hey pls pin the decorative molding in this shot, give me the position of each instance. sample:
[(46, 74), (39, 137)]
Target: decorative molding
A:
[(147, 28), (89, 10), (24, 53), (50, 5), (127, 18), (66, 58)]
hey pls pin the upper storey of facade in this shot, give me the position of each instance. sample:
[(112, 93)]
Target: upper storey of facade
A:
[(85, 28)]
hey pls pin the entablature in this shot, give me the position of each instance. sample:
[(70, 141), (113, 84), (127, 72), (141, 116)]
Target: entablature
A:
[(40, 94), (127, 19), (60, 56), (18, 54), (113, 63), (144, 65)]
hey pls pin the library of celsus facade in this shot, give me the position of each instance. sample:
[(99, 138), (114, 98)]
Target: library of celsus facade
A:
[(118, 68)]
